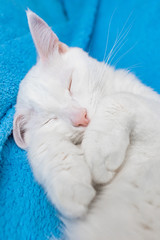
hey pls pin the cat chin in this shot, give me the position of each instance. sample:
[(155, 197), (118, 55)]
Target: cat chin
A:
[(78, 135)]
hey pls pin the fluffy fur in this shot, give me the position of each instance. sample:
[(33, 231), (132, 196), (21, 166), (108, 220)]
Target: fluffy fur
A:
[(103, 176)]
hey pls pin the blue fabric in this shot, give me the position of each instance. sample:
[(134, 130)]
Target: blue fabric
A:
[(25, 212)]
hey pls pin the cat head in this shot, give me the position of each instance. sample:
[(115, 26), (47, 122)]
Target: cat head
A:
[(56, 87)]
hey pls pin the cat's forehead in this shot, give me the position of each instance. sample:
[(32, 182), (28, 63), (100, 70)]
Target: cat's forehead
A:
[(58, 69), (75, 55), (63, 65)]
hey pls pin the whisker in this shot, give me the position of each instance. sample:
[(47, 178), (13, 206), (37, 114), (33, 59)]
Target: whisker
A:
[(109, 61), (119, 42), (116, 62), (126, 22), (119, 45), (108, 34), (112, 49), (134, 66), (104, 58), (120, 36), (96, 85)]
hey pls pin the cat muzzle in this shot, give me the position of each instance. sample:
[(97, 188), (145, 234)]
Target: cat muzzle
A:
[(79, 117)]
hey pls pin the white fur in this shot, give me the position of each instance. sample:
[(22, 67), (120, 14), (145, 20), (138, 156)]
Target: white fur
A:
[(129, 206), (120, 148)]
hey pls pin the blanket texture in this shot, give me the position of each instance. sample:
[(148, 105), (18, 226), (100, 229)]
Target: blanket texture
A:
[(25, 212)]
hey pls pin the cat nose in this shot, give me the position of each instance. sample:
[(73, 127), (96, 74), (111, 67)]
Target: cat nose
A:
[(80, 118)]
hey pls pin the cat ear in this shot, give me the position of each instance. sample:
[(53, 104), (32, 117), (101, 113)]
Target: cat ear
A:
[(19, 131), (44, 38)]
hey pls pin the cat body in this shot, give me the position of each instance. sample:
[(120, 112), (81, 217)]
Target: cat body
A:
[(129, 206), (85, 124)]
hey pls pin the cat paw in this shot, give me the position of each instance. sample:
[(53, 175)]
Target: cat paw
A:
[(100, 173), (98, 164), (104, 155), (71, 197)]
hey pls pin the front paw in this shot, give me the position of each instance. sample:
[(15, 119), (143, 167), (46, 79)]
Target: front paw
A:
[(97, 161), (71, 197), (104, 154)]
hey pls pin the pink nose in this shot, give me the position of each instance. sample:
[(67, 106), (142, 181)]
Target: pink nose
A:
[(79, 118)]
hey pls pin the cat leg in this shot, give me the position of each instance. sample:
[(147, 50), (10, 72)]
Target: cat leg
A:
[(59, 166), (72, 191), (107, 138)]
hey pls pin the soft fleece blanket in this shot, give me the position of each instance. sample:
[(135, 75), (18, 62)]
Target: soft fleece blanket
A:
[(25, 212)]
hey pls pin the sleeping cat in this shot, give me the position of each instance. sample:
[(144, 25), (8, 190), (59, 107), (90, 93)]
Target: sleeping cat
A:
[(92, 134)]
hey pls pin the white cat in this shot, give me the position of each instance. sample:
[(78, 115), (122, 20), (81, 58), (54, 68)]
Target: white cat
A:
[(84, 124)]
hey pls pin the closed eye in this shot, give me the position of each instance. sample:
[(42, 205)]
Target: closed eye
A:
[(70, 84), (51, 119)]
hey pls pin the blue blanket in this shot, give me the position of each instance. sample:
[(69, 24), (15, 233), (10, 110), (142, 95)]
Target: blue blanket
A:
[(25, 212)]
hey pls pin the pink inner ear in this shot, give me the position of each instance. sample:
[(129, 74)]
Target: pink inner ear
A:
[(44, 38), (19, 131), (62, 47)]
